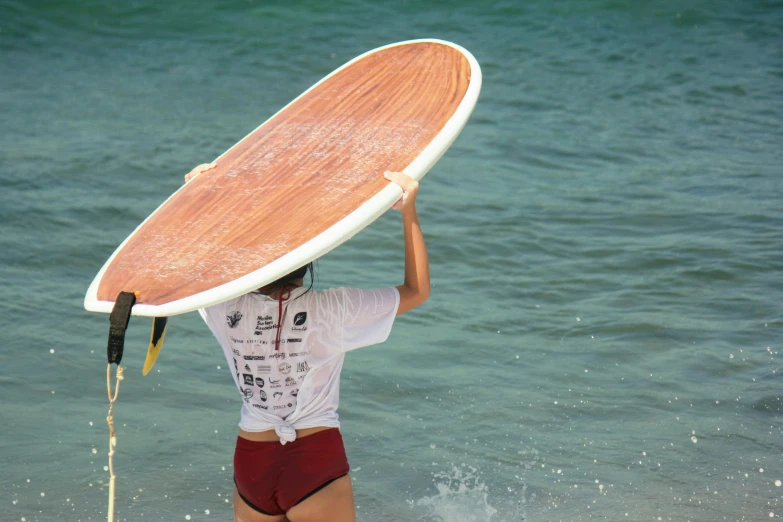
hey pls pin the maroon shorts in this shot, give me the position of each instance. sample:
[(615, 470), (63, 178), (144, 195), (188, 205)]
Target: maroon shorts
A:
[(272, 477)]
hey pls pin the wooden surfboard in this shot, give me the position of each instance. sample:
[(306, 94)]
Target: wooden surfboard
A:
[(299, 185)]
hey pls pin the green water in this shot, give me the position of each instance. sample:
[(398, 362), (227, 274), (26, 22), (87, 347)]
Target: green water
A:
[(604, 334)]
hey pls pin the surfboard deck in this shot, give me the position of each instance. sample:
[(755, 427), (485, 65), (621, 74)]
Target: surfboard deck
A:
[(300, 184)]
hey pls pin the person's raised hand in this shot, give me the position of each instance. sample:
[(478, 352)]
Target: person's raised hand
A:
[(198, 170), (410, 187)]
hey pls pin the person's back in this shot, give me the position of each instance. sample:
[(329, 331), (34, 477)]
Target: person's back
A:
[(286, 347), (295, 383)]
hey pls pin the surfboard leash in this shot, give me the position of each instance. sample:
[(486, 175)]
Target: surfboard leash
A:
[(112, 436), (118, 324)]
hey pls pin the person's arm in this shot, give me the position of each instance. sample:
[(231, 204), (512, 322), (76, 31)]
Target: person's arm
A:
[(416, 288)]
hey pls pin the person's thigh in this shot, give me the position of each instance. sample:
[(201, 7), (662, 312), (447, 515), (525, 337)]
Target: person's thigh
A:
[(244, 513), (334, 503)]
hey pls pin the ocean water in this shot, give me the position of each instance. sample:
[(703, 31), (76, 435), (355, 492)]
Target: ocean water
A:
[(603, 341)]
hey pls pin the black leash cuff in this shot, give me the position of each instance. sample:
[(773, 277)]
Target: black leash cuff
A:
[(118, 323)]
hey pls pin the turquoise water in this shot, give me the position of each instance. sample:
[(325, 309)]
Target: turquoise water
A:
[(604, 337)]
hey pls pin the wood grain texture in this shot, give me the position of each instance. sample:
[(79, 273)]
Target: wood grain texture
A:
[(304, 170)]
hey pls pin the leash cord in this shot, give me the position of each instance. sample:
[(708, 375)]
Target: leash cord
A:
[(112, 436)]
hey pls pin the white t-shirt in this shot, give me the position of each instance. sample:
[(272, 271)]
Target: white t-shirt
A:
[(297, 386)]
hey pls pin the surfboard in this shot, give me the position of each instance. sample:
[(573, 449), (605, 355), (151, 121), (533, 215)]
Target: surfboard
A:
[(299, 185)]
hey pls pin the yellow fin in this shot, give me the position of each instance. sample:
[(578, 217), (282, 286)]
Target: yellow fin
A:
[(156, 341)]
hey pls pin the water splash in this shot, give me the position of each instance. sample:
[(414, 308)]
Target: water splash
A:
[(462, 497)]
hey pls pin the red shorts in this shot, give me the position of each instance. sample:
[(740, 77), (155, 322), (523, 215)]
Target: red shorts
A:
[(272, 477)]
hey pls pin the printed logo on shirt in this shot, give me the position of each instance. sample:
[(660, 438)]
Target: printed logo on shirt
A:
[(233, 318), (247, 367), (247, 392), (262, 395), (274, 383), (264, 368), (295, 392), (278, 355), (294, 340), (248, 379), (281, 407), (302, 367), (255, 357), (238, 341), (277, 395), (284, 368), (236, 366), (299, 321), (259, 382), (236, 352), (290, 382), (262, 406), (298, 354), (264, 322), (261, 322)]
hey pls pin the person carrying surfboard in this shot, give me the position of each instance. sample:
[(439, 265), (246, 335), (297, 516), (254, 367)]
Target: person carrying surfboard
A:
[(286, 346)]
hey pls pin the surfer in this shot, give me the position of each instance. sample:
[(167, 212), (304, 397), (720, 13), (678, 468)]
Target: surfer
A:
[(285, 346)]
